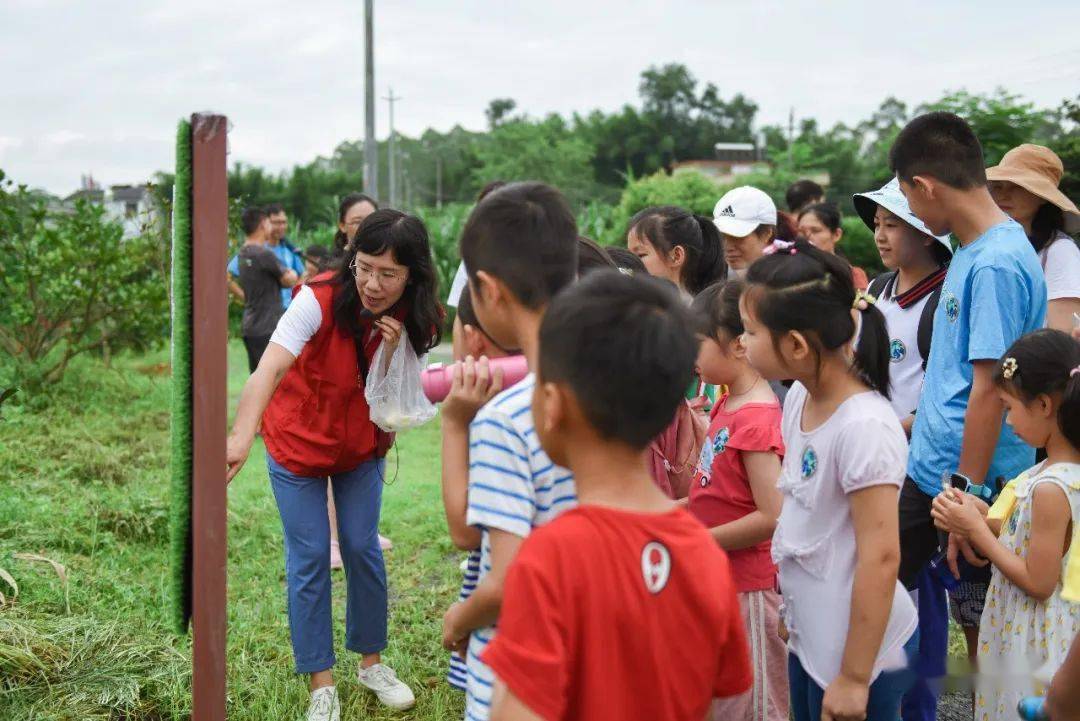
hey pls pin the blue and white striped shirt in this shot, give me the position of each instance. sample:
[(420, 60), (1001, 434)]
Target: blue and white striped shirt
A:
[(513, 487)]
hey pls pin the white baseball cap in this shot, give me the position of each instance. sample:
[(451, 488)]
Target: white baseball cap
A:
[(742, 210)]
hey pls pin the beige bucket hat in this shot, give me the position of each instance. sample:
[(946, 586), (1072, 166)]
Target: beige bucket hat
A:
[(1038, 170)]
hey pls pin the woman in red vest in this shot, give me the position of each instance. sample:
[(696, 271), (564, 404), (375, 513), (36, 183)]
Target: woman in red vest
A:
[(309, 392)]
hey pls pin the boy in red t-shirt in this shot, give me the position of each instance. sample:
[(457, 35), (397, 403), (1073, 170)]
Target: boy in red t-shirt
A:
[(734, 493), (623, 608)]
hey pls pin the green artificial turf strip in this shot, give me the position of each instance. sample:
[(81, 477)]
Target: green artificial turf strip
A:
[(181, 440)]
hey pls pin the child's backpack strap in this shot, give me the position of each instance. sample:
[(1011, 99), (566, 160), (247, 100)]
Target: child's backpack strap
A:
[(880, 283), (926, 324)]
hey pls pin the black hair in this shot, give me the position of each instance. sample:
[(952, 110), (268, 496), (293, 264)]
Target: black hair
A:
[(406, 237), (802, 192), (274, 208), (716, 310), (608, 337), (340, 238), (319, 255), (625, 260), (467, 316), (941, 145), (251, 219), (1048, 221), (591, 256), (1045, 361), (669, 226), (827, 213), (525, 235), (811, 292), (489, 189)]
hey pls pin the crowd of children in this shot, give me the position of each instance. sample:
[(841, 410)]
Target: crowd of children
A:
[(870, 454)]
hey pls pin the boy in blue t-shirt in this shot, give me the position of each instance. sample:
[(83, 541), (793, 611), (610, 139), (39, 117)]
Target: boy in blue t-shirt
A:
[(520, 247), (994, 293)]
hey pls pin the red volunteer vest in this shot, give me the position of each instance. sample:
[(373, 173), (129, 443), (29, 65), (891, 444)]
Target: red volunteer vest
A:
[(317, 422)]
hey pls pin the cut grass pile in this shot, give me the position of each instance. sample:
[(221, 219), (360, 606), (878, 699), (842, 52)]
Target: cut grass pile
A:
[(84, 482)]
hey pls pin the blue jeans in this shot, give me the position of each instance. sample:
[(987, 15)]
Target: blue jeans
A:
[(301, 501), (920, 703), (885, 692)]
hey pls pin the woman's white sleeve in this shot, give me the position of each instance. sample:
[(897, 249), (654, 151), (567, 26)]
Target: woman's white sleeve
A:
[(301, 321)]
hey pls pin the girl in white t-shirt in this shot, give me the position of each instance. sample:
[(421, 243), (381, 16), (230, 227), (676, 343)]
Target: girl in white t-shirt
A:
[(851, 625)]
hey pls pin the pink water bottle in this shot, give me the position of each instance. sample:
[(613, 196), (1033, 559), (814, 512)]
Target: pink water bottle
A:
[(437, 378)]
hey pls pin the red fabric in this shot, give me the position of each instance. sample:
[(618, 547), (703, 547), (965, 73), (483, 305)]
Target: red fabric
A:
[(582, 636), (317, 422), (721, 493), (858, 276)]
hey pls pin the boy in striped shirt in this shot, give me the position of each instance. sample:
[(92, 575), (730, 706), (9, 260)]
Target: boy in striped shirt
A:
[(520, 248)]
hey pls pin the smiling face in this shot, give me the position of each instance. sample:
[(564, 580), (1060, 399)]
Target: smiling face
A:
[(899, 244), (380, 280), (1016, 202)]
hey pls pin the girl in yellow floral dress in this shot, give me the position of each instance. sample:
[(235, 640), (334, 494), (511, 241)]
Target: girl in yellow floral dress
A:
[(1027, 625)]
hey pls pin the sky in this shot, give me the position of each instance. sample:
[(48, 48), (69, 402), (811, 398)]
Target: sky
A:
[(97, 87)]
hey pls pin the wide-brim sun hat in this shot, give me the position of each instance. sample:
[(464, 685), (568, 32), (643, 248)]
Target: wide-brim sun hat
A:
[(891, 198), (741, 210), (1038, 170)]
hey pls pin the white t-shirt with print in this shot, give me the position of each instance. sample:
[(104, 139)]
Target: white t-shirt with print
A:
[(859, 446), (905, 362), (1060, 260)]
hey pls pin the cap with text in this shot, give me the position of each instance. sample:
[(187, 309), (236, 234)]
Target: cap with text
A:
[(742, 210)]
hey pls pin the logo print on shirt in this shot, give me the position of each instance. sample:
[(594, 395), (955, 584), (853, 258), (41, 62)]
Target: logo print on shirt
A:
[(897, 350), (952, 307), (809, 462), (720, 442), (655, 566)]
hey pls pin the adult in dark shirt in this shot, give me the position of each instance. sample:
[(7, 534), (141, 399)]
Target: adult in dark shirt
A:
[(262, 276)]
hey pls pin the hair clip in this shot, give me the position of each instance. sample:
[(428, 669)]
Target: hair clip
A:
[(780, 246), (863, 300), (1009, 368), (1074, 372)]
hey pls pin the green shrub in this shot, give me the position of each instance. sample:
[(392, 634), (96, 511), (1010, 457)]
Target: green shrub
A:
[(857, 245)]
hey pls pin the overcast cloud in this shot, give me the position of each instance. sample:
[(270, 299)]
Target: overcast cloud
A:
[(98, 86)]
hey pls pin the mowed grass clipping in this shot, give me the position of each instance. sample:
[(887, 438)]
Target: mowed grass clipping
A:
[(85, 483)]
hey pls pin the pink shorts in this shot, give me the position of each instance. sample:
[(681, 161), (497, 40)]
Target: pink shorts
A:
[(767, 699)]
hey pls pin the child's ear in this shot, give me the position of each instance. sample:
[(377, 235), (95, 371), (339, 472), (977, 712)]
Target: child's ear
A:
[(554, 406), (1044, 406), (924, 185), (795, 345), (473, 340), (489, 289), (677, 256), (737, 347)]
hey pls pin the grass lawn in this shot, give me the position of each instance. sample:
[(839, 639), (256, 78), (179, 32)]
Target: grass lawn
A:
[(84, 483)]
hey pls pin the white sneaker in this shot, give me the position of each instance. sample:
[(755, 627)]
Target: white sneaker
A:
[(385, 543), (387, 687), (324, 705)]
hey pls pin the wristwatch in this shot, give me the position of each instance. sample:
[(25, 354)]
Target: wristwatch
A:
[(962, 483)]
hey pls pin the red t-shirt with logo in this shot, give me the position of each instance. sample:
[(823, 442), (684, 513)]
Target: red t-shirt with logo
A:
[(610, 614), (720, 492)]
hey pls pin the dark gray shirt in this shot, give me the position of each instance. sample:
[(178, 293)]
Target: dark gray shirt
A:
[(260, 277)]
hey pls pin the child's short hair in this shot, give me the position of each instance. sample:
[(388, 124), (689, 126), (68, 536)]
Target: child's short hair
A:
[(625, 260), (592, 256), (827, 213), (525, 235), (801, 193), (1045, 361), (624, 347), (801, 288), (716, 310), (941, 145)]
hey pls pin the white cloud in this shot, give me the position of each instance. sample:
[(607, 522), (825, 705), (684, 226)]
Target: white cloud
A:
[(63, 137)]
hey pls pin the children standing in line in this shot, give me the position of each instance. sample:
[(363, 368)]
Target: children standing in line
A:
[(734, 494), (520, 248), (1027, 626), (836, 542), (679, 246), (994, 293), (908, 296), (623, 608)]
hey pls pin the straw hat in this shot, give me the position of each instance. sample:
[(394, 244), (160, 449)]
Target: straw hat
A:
[(1038, 170)]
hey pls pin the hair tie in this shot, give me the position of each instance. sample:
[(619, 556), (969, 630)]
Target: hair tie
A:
[(780, 246), (863, 301), (1009, 367)]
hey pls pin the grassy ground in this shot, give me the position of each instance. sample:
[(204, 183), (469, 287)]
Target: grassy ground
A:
[(84, 483)]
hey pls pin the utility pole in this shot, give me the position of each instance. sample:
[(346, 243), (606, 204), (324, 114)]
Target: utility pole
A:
[(438, 182), (371, 150), (391, 161), (791, 138)]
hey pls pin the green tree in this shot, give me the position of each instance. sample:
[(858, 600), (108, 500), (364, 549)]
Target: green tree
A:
[(499, 110)]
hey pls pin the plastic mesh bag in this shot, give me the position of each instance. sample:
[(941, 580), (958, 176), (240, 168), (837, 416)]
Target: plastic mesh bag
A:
[(395, 396)]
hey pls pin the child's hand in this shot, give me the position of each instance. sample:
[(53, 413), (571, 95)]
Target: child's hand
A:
[(453, 639), (957, 546), (474, 385), (957, 513), (845, 700)]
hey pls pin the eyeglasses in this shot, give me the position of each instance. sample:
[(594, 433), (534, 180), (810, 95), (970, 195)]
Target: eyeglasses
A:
[(385, 278)]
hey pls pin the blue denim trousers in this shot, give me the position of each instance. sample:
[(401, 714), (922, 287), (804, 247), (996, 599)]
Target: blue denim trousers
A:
[(885, 692), (301, 501)]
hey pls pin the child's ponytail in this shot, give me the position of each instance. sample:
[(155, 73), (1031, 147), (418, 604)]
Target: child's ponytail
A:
[(796, 287), (711, 266), (1046, 362), (666, 227)]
